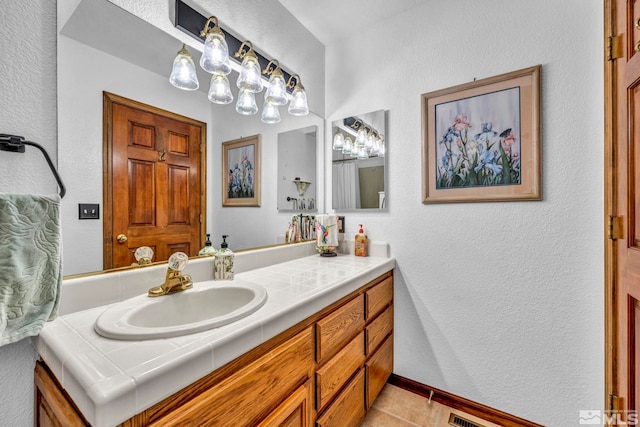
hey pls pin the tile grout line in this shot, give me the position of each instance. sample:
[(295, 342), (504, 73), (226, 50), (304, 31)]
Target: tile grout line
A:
[(397, 417)]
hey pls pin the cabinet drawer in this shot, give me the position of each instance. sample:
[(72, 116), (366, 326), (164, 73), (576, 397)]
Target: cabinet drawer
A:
[(379, 329), (268, 380), (348, 408), (379, 297), (378, 368), (333, 331), (335, 373)]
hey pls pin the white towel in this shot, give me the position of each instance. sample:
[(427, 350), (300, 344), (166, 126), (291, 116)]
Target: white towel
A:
[(326, 230), (30, 264)]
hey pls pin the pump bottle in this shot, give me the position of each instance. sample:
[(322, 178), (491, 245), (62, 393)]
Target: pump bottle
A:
[(361, 241), (224, 262)]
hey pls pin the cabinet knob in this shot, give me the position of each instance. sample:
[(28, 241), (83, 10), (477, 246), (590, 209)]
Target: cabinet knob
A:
[(121, 238)]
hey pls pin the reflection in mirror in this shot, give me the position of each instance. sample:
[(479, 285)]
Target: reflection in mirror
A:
[(127, 56), (297, 179), (358, 162)]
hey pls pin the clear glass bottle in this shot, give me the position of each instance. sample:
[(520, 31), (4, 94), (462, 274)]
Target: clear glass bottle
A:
[(224, 263)]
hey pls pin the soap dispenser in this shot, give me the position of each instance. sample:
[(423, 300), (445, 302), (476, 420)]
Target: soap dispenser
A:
[(224, 261), (361, 242), (208, 249)]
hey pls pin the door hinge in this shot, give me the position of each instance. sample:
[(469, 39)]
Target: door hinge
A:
[(614, 227), (614, 403), (614, 47)]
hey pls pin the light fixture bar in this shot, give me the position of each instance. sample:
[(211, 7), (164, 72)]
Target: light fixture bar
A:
[(191, 22)]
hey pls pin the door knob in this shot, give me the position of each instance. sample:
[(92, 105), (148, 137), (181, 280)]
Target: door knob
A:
[(121, 238)]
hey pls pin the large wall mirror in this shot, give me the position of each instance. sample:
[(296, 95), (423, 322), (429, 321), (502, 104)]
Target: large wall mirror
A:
[(124, 55), (358, 162), (297, 180)]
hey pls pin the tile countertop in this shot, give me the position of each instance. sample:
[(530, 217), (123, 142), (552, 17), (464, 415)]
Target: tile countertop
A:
[(111, 380)]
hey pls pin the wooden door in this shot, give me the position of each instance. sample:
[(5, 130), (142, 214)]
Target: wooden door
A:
[(622, 204), (153, 182)]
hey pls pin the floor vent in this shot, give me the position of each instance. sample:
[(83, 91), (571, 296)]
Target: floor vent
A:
[(458, 421)]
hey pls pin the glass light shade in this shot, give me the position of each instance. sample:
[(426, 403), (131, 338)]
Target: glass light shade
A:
[(338, 141), (298, 104), (250, 77), (270, 113), (376, 147), (362, 153), (348, 145), (368, 144), (276, 92), (246, 103), (361, 136), (183, 73), (219, 91), (215, 56), (382, 150)]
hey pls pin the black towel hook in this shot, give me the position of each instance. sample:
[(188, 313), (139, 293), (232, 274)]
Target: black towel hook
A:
[(15, 144)]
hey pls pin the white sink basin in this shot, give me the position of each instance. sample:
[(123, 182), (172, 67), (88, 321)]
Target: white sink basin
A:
[(207, 305)]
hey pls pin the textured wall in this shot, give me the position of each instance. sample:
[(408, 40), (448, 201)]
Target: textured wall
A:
[(498, 302), (28, 88), (27, 108)]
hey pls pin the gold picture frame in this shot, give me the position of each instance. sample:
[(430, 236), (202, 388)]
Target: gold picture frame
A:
[(481, 140), (241, 172)]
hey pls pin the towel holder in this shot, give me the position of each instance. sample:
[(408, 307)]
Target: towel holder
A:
[(16, 144)]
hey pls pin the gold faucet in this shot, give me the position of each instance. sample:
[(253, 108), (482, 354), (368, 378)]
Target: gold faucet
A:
[(174, 280)]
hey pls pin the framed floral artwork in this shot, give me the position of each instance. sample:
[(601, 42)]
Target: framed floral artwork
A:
[(241, 172), (481, 140)]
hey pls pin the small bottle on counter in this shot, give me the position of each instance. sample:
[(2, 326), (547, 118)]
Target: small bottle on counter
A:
[(208, 249), (224, 261), (361, 242)]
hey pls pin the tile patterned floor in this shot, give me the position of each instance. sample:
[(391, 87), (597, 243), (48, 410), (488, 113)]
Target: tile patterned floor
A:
[(396, 407)]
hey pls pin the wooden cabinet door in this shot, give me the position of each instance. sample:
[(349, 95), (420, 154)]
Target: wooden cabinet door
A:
[(296, 411), (52, 408), (243, 398), (154, 182)]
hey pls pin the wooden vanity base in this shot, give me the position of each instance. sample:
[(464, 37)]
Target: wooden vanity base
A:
[(327, 370)]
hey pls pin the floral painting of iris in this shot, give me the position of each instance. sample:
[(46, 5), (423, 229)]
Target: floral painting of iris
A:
[(481, 140), (478, 140), (241, 172)]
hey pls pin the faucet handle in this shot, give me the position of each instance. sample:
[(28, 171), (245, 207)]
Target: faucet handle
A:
[(178, 261)]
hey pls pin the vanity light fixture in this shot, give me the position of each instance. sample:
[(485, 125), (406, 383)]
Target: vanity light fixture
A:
[(276, 93), (215, 56), (246, 104), (270, 113), (368, 141), (250, 77), (298, 104), (216, 59), (361, 136), (338, 141), (347, 148), (219, 90), (183, 73)]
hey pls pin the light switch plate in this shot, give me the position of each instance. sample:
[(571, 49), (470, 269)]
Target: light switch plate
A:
[(88, 211)]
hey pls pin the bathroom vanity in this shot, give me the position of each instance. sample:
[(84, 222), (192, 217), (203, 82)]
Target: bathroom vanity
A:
[(317, 353)]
